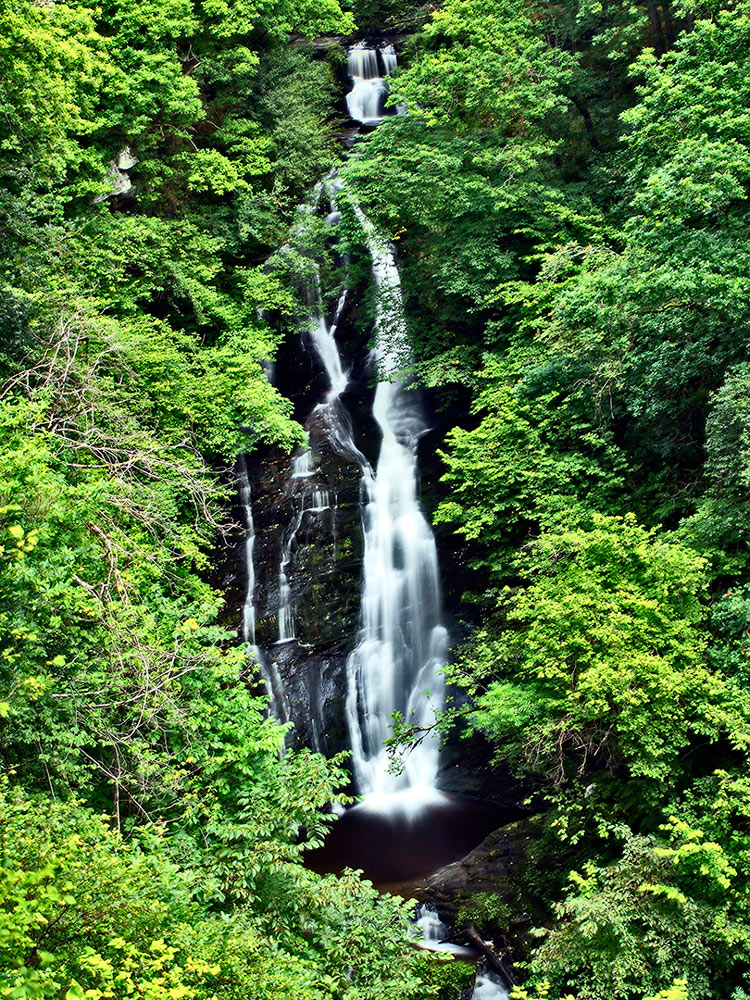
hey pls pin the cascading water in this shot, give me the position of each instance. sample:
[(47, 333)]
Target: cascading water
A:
[(396, 665), (434, 936), (272, 681), (389, 57), (331, 412), (489, 987), (430, 927), (312, 501), (401, 645), (368, 68), (402, 642), (302, 465), (248, 608), (286, 613)]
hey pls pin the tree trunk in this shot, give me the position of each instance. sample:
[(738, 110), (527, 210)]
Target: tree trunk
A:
[(656, 32), (585, 114), (498, 964), (668, 24)]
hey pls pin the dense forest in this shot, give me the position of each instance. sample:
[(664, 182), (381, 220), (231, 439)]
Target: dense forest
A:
[(567, 188)]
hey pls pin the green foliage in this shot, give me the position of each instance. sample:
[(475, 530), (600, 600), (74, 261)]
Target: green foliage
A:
[(85, 913), (52, 63), (486, 910), (603, 655), (570, 194), (619, 933), (672, 906), (677, 991), (152, 838), (464, 181), (446, 975), (524, 464), (378, 16), (480, 71), (133, 374)]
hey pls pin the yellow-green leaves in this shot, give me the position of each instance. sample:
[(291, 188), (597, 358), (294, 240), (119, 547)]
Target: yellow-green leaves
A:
[(607, 636), (21, 543)]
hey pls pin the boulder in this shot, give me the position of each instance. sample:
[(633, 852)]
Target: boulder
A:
[(497, 868)]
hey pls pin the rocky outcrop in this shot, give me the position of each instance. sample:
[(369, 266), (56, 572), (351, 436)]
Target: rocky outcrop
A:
[(118, 175), (308, 521), (497, 868), (315, 521)]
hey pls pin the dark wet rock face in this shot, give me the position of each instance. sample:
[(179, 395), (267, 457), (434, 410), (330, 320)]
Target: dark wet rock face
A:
[(317, 519), (314, 696), (314, 521), (498, 867), (308, 549)]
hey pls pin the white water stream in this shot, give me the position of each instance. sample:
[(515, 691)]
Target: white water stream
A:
[(278, 704), (489, 987), (401, 649), (434, 936), (331, 413), (368, 68)]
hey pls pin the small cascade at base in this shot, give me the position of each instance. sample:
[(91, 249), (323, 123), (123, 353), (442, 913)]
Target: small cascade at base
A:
[(432, 935), (489, 987), (435, 935), (430, 926)]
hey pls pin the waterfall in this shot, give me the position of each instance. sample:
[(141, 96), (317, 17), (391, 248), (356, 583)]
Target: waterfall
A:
[(248, 608), (401, 646), (431, 927), (324, 341), (390, 59), (312, 501), (489, 987), (434, 935), (331, 411), (302, 465), (368, 68), (286, 612), (396, 665), (323, 337), (278, 705)]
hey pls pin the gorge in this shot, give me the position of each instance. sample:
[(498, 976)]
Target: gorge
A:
[(394, 664), (372, 370)]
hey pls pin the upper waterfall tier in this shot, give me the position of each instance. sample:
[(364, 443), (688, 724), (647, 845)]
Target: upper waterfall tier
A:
[(368, 69)]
